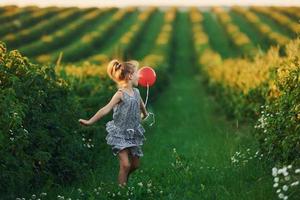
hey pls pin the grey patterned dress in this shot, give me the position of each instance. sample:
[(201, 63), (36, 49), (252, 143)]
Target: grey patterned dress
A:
[(125, 130)]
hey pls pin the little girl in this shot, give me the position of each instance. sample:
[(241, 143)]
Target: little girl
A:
[(125, 132)]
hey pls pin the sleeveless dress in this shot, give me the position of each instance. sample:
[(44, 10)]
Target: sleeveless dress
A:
[(125, 130)]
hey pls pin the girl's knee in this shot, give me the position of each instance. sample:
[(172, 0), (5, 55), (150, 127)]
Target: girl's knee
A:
[(125, 165), (124, 159)]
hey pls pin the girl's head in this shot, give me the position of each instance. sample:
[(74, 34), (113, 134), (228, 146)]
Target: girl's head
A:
[(123, 73)]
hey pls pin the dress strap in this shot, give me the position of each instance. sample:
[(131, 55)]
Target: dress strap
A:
[(120, 89), (134, 93)]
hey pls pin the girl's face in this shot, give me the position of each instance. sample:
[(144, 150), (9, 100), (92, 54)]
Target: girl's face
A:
[(134, 78)]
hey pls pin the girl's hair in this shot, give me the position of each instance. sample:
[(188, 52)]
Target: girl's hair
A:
[(118, 71)]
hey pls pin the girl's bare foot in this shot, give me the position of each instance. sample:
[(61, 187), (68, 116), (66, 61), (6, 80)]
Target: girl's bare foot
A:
[(122, 185)]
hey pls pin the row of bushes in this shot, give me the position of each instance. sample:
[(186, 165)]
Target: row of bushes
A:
[(263, 92)]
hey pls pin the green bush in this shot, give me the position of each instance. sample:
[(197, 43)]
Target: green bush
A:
[(278, 128), (39, 136)]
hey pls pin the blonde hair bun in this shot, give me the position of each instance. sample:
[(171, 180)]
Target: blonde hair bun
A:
[(118, 71)]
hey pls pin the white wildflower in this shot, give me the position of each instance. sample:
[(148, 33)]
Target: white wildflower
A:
[(281, 196), (274, 171), (279, 190), (297, 171), (295, 183), (140, 184)]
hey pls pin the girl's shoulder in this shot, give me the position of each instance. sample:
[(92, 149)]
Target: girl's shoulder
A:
[(136, 89), (138, 92), (120, 93)]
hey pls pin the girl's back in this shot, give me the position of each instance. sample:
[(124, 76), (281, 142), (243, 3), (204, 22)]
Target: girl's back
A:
[(126, 113)]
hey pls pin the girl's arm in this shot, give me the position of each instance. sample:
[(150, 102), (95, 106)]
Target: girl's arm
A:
[(103, 111), (143, 108)]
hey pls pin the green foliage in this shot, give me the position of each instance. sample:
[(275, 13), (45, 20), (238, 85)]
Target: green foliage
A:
[(39, 141), (278, 128), (235, 104)]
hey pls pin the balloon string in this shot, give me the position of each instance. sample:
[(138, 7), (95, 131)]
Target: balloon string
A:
[(150, 113), (153, 118), (147, 94)]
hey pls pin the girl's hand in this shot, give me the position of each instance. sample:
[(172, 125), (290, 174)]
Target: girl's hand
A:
[(84, 122), (144, 116)]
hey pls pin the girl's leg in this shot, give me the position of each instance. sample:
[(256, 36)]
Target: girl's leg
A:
[(135, 163), (124, 166)]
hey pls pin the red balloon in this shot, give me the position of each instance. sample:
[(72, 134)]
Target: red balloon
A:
[(147, 76)]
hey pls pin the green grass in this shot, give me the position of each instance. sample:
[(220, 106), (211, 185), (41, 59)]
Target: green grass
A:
[(246, 27), (149, 36), (192, 125), (88, 27), (275, 26), (189, 120), (115, 36), (217, 37)]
